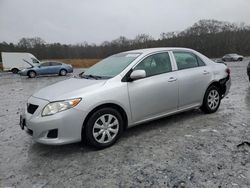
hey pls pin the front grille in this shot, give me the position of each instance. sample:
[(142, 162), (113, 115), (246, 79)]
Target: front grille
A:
[(32, 108)]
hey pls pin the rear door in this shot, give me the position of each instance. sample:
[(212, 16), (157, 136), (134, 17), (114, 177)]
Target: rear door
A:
[(156, 94), (55, 67), (193, 78)]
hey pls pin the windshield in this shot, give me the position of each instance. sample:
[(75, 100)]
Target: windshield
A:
[(111, 66)]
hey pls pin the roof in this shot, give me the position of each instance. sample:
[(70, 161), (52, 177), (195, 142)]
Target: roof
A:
[(151, 50)]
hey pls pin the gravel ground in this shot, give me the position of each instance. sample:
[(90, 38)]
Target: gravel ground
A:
[(191, 149)]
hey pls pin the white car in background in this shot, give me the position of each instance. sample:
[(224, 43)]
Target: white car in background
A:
[(232, 57), (124, 90)]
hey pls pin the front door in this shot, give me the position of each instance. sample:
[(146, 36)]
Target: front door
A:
[(157, 94)]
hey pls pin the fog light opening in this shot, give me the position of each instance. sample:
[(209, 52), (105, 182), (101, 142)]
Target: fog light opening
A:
[(52, 133)]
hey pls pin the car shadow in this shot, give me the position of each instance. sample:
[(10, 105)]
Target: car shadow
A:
[(164, 122)]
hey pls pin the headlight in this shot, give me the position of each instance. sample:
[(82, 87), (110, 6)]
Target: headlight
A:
[(55, 107)]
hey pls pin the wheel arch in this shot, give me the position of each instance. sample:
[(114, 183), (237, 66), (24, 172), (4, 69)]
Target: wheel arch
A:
[(63, 69), (14, 70), (219, 85), (107, 105), (31, 71)]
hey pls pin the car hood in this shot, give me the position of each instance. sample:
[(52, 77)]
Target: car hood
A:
[(68, 89)]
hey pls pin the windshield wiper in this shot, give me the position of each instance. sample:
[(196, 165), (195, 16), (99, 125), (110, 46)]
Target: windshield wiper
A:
[(91, 76)]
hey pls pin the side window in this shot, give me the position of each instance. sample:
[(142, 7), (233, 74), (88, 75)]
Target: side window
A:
[(155, 64), (185, 60), (35, 60), (200, 62), (55, 64)]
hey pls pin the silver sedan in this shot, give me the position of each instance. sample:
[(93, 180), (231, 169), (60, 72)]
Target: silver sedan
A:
[(124, 90)]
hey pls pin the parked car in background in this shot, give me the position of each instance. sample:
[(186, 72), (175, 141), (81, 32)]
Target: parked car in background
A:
[(46, 68), (248, 70), (15, 61), (232, 57), (124, 90), (219, 61)]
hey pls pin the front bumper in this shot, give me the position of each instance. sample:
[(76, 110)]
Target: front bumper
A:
[(22, 73), (68, 124)]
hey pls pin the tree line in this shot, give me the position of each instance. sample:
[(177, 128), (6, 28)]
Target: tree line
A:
[(210, 37)]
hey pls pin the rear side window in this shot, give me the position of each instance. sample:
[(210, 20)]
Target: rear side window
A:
[(55, 64), (185, 60), (155, 64), (200, 62)]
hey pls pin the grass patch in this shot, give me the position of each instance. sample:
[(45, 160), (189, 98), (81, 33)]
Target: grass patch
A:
[(80, 63)]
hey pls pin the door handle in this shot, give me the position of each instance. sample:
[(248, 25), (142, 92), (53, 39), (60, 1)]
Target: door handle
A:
[(172, 79), (205, 72)]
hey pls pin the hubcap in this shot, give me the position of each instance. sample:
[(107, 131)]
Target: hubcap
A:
[(105, 128), (32, 74), (213, 99), (63, 72)]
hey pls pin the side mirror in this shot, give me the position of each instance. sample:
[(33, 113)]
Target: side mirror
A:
[(137, 74)]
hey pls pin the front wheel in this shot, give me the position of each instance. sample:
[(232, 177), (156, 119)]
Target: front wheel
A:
[(211, 101), (104, 127), (31, 74), (14, 70), (63, 72)]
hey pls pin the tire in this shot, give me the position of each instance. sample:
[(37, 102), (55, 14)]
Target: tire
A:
[(99, 134), (14, 70), (63, 72), (31, 74), (211, 101), (240, 59)]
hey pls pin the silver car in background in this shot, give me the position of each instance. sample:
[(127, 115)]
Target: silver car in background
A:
[(124, 90)]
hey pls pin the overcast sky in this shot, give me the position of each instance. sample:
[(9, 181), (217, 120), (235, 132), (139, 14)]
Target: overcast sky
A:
[(94, 21)]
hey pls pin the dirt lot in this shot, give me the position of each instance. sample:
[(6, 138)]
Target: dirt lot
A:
[(186, 150)]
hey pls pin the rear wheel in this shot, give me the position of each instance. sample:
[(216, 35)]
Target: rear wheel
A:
[(240, 59), (14, 70), (211, 101), (31, 74), (62, 72), (104, 127)]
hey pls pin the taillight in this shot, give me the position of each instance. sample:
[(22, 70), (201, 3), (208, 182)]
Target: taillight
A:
[(228, 71)]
